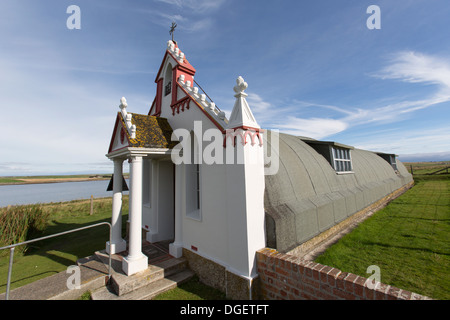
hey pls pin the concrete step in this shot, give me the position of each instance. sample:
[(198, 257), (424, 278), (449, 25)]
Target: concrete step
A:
[(123, 284), (146, 292), (163, 273)]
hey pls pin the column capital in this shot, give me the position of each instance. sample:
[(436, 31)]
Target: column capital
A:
[(118, 162), (135, 158)]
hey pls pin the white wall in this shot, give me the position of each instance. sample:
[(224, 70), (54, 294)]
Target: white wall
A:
[(231, 216)]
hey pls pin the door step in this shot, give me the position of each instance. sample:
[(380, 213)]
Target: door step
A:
[(160, 276), (146, 292)]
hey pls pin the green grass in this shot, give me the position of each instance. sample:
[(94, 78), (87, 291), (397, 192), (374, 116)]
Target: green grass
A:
[(408, 240), (9, 180), (422, 168), (48, 257), (192, 290)]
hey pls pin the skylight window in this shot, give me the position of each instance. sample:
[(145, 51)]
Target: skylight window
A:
[(390, 158), (338, 155), (342, 161)]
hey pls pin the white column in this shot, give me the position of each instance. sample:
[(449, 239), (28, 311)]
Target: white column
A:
[(117, 243), (135, 261), (176, 248)]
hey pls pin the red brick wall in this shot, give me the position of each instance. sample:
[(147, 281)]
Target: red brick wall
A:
[(287, 277)]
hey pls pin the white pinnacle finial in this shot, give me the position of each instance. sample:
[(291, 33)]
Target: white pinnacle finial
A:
[(123, 103), (241, 116), (241, 85), (123, 107)]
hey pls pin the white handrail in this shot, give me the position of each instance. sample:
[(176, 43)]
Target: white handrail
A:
[(13, 246)]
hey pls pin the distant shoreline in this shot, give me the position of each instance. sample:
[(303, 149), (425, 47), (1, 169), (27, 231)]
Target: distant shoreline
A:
[(6, 181)]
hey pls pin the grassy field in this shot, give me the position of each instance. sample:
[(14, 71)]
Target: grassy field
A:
[(426, 168), (408, 240), (51, 256)]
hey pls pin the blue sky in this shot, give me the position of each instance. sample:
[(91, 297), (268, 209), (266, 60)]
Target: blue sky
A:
[(313, 68)]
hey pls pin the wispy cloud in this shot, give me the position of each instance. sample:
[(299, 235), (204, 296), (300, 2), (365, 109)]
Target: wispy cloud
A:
[(191, 16), (284, 119), (313, 127), (409, 67), (199, 5), (416, 67)]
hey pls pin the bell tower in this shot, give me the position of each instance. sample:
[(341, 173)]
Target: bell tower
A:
[(173, 66)]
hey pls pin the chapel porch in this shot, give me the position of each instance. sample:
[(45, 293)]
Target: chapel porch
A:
[(164, 272)]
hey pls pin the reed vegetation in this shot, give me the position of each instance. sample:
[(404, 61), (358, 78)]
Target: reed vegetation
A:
[(20, 223)]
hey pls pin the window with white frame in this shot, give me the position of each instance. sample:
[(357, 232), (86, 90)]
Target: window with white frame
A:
[(342, 160), (390, 158), (337, 154)]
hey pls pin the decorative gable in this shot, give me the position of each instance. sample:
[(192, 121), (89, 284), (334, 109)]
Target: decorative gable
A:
[(173, 66), (140, 131), (119, 138)]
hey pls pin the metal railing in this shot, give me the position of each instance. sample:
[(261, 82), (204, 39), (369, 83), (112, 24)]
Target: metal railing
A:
[(206, 94), (13, 246)]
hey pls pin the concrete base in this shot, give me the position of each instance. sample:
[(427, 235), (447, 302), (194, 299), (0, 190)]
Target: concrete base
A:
[(151, 237), (217, 276), (116, 247), (176, 250), (133, 266)]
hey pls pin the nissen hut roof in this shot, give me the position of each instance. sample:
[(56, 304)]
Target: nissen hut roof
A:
[(308, 196)]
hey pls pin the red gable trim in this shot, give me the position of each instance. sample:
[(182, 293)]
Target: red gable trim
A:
[(243, 132), (185, 67), (118, 120), (152, 106)]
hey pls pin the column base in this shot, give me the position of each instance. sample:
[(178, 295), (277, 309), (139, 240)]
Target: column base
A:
[(132, 266), (176, 250), (151, 237), (114, 248)]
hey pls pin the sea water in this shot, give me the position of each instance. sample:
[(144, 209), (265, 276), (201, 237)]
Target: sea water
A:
[(53, 192)]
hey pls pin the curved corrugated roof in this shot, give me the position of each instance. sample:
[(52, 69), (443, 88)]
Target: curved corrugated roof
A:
[(306, 196)]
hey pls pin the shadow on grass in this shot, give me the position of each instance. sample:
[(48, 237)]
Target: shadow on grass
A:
[(193, 289), (388, 246), (32, 278)]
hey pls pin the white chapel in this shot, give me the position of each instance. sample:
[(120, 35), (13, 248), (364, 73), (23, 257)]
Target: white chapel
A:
[(212, 188), (212, 207)]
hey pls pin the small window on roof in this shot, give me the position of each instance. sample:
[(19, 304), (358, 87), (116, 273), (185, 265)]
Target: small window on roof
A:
[(338, 155), (342, 161), (390, 158)]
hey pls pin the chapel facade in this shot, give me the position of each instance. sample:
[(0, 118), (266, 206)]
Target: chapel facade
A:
[(221, 189)]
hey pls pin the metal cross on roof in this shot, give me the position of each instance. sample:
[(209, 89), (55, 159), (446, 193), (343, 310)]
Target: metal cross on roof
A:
[(172, 29)]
